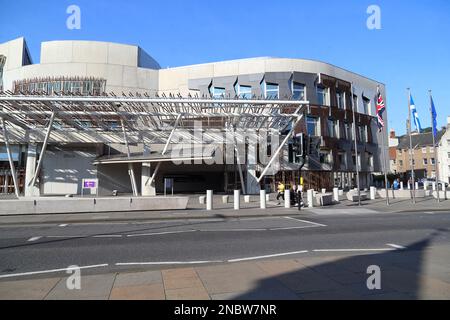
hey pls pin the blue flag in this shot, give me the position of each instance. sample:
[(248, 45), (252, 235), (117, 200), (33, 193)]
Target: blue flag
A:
[(414, 114), (434, 118)]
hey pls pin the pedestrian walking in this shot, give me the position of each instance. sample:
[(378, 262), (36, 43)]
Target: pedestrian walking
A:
[(281, 187)]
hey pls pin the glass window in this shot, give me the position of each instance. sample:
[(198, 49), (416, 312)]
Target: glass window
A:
[(348, 131), (366, 106), (298, 91), (433, 161), (355, 103), (425, 161), (271, 91), (362, 133), (340, 96), (325, 157), (243, 92), (313, 126), (321, 96), (332, 128), (369, 160), (217, 92)]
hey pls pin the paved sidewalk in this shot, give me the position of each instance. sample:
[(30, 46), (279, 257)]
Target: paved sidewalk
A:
[(198, 211), (419, 273)]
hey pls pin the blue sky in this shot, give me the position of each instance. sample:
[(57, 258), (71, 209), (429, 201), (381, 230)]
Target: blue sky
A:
[(411, 50)]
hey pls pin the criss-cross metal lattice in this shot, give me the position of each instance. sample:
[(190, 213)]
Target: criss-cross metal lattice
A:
[(143, 113)]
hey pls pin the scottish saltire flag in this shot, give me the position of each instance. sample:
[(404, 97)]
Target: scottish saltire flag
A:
[(433, 117), (415, 116), (380, 110)]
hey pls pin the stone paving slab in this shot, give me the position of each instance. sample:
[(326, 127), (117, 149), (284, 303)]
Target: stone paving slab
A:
[(287, 279)]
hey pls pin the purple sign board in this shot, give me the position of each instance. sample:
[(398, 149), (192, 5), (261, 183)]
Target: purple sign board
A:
[(89, 184)]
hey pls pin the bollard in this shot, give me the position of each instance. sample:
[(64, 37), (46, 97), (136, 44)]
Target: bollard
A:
[(336, 194), (209, 200), (237, 199), (287, 199), (324, 190), (262, 198), (433, 186), (310, 195), (267, 197), (401, 185), (373, 192), (247, 199), (416, 185)]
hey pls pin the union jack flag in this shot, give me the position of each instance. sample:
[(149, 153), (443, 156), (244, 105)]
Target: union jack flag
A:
[(380, 110)]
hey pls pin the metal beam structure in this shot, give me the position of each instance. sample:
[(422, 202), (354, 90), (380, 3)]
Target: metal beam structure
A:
[(130, 165), (155, 117), (44, 147), (10, 159)]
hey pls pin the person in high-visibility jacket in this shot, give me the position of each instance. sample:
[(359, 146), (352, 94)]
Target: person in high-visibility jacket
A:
[(281, 188)]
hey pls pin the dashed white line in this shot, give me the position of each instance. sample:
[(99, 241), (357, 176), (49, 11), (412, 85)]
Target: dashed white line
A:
[(108, 236), (268, 256), (63, 225), (159, 233), (49, 271), (166, 262), (34, 239), (306, 221), (352, 250), (396, 246)]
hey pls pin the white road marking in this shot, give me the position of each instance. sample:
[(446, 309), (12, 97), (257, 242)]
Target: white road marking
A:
[(166, 262), (34, 239), (63, 225), (352, 250), (233, 230), (66, 236), (159, 233), (108, 236), (396, 246), (49, 271), (306, 221), (292, 228), (268, 256)]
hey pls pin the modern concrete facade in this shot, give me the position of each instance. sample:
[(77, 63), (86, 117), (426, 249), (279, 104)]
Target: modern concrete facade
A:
[(96, 68)]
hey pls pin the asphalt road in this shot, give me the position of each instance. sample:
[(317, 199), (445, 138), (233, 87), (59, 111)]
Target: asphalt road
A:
[(119, 246)]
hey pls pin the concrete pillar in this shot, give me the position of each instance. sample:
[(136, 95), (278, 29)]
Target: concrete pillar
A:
[(401, 185), (262, 198), (310, 195), (373, 193), (237, 199), (336, 194), (147, 188), (31, 191), (209, 200), (287, 199), (252, 185)]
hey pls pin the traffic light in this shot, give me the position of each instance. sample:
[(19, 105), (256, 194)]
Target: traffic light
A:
[(313, 145)]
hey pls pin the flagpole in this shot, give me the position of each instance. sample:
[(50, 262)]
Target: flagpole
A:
[(411, 158), (436, 167), (356, 147), (383, 132)]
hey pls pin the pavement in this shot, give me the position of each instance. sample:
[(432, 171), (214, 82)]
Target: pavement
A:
[(317, 254), (335, 277), (252, 209)]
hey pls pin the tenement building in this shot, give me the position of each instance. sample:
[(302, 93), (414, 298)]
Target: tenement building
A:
[(94, 69)]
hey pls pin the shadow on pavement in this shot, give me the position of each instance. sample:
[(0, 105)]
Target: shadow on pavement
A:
[(346, 279)]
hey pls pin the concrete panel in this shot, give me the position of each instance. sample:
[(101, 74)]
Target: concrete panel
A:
[(122, 54), (226, 69), (252, 66), (201, 71), (90, 51), (56, 52), (85, 205), (115, 75)]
